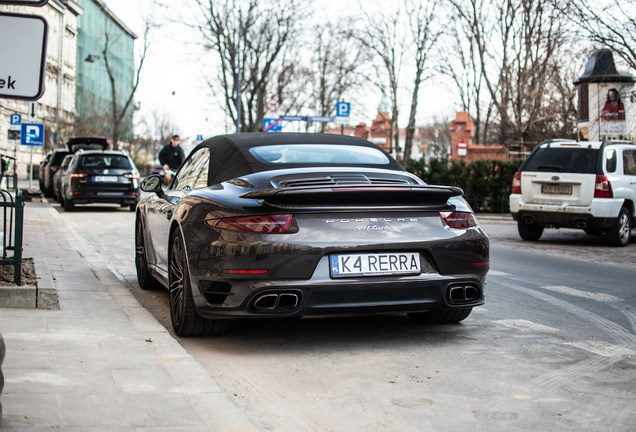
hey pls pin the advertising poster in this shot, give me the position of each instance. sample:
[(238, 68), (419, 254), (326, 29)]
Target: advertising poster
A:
[(607, 111)]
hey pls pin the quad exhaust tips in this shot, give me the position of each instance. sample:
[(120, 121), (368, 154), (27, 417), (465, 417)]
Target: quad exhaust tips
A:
[(463, 294), (276, 302), (529, 220)]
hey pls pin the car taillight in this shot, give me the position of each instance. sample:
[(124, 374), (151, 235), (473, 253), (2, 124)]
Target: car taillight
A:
[(602, 188), (74, 175), (132, 176), (516, 183), (244, 271), (458, 220), (256, 224)]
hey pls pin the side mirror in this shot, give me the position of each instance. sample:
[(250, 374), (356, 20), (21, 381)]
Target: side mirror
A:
[(152, 184)]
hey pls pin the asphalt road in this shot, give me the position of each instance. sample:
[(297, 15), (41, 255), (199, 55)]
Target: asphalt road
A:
[(553, 348)]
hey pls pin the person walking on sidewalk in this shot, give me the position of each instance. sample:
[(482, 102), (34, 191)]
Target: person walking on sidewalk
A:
[(171, 157)]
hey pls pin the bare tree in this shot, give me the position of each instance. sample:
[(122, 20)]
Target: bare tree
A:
[(610, 23), (267, 27), (518, 44), (424, 36), (120, 107), (383, 35), (335, 63)]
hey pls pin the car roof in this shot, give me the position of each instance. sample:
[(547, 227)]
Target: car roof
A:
[(233, 159), (562, 143)]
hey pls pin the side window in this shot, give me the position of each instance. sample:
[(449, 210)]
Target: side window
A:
[(202, 181), (189, 172), (610, 161), (629, 162)]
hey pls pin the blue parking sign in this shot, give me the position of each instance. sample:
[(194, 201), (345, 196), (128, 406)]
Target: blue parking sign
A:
[(343, 109), (16, 119), (32, 134)]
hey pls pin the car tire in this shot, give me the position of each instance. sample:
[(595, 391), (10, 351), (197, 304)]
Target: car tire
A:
[(441, 317), (48, 192), (186, 321), (620, 234), (146, 280), (68, 205), (530, 232), (133, 207)]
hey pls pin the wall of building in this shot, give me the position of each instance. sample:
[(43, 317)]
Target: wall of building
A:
[(94, 92), (56, 108)]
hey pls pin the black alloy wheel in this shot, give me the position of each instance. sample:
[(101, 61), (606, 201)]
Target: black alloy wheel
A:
[(441, 317), (530, 232), (186, 321), (146, 280), (620, 234)]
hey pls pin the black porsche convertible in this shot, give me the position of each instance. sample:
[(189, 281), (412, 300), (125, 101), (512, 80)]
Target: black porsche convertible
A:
[(261, 225)]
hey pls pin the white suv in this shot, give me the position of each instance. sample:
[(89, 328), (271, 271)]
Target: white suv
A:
[(572, 184)]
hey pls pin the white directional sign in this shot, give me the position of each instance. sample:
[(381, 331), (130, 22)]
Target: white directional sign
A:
[(23, 54), (33, 112), (24, 2)]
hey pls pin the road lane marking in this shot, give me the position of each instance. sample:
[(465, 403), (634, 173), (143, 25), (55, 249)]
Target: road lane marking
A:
[(530, 326), (602, 348), (584, 294), (497, 273), (614, 330)]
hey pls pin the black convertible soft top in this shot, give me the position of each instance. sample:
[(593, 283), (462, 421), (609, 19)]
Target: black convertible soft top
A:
[(230, 156)]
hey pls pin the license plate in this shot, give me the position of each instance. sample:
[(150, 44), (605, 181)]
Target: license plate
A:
[(556, 189), (106, 179), (375, 264)]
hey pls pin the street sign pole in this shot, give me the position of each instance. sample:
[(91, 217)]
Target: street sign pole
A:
[(31, 170)]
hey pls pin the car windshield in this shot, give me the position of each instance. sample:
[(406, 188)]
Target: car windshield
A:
[(570, 160), (319, 154), (105, 161)]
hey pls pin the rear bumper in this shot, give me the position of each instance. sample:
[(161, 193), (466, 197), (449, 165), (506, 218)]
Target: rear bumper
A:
[(324, 296), (601, 213), (129, 197)]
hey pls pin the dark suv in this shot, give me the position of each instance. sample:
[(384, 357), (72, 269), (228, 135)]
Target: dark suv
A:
[(95, 176), (51, 163)]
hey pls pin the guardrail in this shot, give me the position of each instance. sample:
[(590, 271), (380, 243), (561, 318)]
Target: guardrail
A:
[(12, 225)]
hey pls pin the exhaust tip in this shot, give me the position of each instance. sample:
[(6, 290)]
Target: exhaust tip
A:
[(471, 293), (463, 294), (456, 294), (266, 302), (529, 220), (581, 224)]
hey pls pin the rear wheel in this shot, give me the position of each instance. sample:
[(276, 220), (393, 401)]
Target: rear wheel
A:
[(68, 205), (145, 279), (620, 234), (530, 232), (441, 317), (186, 321)]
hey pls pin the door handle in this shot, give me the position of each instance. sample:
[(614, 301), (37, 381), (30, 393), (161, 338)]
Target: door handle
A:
[(169, 214)]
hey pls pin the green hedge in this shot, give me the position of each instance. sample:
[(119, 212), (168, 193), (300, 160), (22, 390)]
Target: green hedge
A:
[(486, 183)]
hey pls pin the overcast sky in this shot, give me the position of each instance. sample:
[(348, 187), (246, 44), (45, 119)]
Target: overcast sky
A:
[(174, 65)]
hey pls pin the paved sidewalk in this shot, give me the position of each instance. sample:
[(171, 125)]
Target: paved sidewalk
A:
[(101, 362)]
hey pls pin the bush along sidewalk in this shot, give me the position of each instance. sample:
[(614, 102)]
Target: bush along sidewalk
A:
[(487, 183)]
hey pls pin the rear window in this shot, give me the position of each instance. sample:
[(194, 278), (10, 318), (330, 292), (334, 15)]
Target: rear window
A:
[(58, 157), (319, 154), (571, 160), (105, 161)]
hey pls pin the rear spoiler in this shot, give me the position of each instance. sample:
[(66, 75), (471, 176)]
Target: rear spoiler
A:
[(357, 197)]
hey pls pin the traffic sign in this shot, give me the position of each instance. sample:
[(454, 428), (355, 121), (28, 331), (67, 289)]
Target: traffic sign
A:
[(272, 125), (23, 54), (461, 148), (273, 105), (24, 2), (14, 135), (16, 119), (33, 112), (343, 109), (320, 119), (32, 134), (199, 137)]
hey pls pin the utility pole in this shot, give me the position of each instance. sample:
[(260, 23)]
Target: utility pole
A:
[(238, 77)]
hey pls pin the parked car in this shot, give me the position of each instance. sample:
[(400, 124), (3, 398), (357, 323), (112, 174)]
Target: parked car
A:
[(265, 225), (585, 185), (51, 163), (57, 178), (48, 168), (100, 176)]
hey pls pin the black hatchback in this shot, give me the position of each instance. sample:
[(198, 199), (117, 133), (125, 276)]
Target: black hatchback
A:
[(97, 176)]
